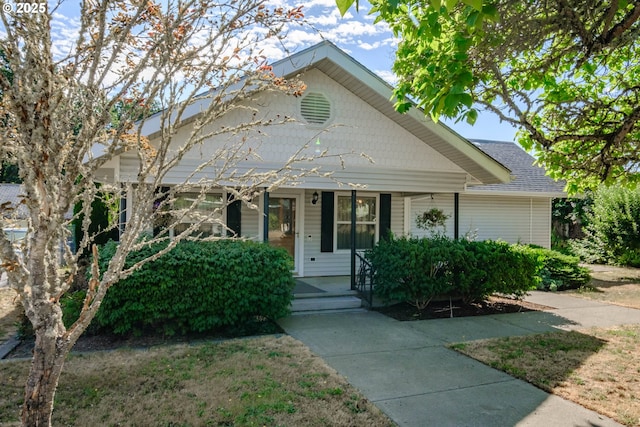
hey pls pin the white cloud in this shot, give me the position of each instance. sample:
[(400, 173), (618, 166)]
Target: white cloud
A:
[(64, 33), (387, 76), (329, 17)]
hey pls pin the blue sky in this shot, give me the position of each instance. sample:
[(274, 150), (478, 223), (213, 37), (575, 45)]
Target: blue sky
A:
[(373, 45)]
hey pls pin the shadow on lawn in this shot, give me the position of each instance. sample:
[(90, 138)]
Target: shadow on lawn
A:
[(599, 283), (545, 360)]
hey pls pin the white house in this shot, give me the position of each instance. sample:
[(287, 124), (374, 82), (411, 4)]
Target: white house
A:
[(486, 188)]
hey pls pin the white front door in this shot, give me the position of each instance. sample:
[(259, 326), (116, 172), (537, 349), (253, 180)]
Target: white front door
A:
[(285, 212)]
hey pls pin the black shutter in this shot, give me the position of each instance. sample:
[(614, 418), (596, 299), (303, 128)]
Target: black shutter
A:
[(234, 217), (326, 222), (385, 215)]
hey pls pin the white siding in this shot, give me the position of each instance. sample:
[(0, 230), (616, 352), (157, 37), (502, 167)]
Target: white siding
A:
[(513, 219), (423, 203), (541, 221), (397, 214)]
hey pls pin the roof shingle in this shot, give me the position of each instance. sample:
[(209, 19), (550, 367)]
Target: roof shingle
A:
[(528, 178)]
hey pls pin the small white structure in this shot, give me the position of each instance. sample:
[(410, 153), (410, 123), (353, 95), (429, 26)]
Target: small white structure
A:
[(486, 188)]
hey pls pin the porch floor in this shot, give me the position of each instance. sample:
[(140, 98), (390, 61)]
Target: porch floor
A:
[(324, 294)]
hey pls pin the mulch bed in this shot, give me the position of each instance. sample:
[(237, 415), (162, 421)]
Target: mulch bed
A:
[(402, 312), (106, 342), (445, 309)]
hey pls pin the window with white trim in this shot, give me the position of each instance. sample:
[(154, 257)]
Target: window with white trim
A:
[(190, 208), (366, 222)]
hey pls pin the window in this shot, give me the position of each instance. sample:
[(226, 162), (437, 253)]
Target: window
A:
[(208, 205), (366, 222)]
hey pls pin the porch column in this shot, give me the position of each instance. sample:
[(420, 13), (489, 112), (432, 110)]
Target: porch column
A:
[(456, 215), (265, 224), (353, 239)]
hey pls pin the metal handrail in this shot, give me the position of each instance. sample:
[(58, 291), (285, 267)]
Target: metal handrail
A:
[(365, 279)]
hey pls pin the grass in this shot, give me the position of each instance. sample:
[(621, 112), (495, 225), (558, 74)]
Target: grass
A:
[(9, 313), (266, 381), (596, 368), (614, 285)]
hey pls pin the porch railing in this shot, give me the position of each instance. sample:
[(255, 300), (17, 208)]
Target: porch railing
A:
[(364, 279)]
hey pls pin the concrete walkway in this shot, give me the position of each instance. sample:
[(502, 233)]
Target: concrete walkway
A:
[(405, 369)]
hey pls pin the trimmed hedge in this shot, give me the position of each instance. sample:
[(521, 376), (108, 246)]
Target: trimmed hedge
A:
[(412, 270), (417, 270), (488, 267), (198, 287)]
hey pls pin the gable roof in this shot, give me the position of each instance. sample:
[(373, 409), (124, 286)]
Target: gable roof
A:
[(528, 178), (342, 68), (335, 63)]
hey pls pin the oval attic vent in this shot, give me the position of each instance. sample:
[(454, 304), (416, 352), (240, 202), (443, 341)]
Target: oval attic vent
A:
[(315, 108)]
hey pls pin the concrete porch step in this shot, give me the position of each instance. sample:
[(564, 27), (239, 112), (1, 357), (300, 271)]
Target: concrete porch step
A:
[(326, 302)]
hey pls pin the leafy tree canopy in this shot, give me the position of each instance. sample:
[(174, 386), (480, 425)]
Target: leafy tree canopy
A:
[(567, 73)]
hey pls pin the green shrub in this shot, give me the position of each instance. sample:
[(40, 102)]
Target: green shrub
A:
[(520, 274), (470, 267), (490, 267), (71, 304), (612, 234), (417, 270), (559, 271), (411, 270), (198, 287)]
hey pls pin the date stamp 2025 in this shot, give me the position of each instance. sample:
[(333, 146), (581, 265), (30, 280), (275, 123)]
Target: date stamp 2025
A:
[(20, 8)]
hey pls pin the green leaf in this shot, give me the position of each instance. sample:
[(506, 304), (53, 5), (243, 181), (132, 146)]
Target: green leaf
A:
[(474, 19), (450, 4), (344, 5), (476, 4), (472, 116)]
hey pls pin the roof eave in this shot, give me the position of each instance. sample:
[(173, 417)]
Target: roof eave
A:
[(531, 193)]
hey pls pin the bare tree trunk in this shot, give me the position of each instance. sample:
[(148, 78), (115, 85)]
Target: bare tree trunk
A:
[(49, 353)]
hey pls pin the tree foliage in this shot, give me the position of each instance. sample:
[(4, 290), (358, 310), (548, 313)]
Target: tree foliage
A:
[(129, 57), (566, 73), (612, 234), (9, 173)]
